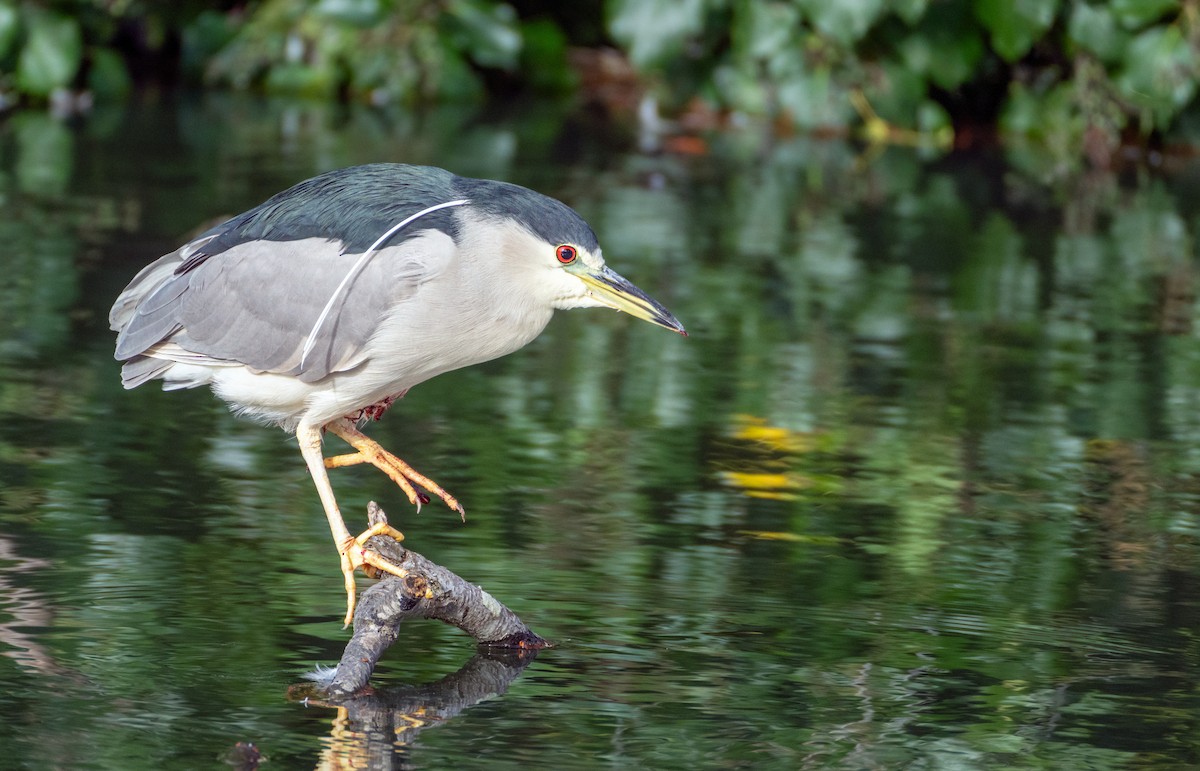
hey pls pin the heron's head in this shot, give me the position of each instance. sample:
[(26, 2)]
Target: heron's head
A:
[(552, 249)]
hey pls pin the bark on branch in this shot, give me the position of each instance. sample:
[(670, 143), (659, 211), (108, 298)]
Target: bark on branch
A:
[(428, 591)]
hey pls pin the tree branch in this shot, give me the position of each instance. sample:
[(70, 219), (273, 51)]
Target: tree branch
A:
[(428, 591)]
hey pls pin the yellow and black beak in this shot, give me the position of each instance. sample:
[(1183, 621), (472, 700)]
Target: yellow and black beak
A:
[(610, 288)]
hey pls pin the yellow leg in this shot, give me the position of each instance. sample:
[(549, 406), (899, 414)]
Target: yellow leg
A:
[(370, 451), (351, 550)]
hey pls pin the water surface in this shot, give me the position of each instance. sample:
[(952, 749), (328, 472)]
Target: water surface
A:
[(922, 489)]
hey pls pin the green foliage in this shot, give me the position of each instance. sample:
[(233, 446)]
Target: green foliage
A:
[(543, 58), (1159, 73), (1136, 13), (942, 49), (375, 49), (799, 58), (381, 50), (1047, 64), (485, 31), (654, 31), (202, 38), (1015, 25), (360, 13), (1076, 77), (843, 22), (1095, 29), (58, 46), (9, 27), (108, 78), (51, 54)]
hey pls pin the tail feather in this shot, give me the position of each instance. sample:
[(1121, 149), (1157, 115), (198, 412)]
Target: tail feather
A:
[(141, 369)]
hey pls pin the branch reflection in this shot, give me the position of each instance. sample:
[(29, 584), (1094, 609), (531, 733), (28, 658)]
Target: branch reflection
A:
[(376, 729)]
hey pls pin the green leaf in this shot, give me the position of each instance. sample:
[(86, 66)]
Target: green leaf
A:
[(107, 77), (544, 57), (1015, 25), (943, 49), (652, 31), (897, 94), (1021, 115), (456, 81), (301, 80), (1094, 29), (10, 23), (486, 32), (934, 121), (762, 30), (845, 21), (1041, 115), (202, 38), (361, 13), (910, 11), (1133, 14), (812, 101), (52, 53), (739, 88), (1043, 130), (1160, 73)]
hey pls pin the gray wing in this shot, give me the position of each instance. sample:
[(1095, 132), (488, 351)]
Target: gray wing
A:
[(257, 302), (147, 281)]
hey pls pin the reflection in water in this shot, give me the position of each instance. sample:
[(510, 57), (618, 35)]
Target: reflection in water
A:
[(378, 729), (922, 488), (26, 609)]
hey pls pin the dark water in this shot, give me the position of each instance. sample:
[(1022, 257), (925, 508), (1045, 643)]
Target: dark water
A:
[(922, 490)]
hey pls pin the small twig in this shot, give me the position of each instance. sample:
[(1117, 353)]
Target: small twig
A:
[(428, 591)]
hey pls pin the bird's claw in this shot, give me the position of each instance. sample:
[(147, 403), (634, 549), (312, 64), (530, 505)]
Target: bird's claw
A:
[(405, 476), (354, 554)]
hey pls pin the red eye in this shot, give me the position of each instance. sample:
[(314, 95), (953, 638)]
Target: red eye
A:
[(566, 254)]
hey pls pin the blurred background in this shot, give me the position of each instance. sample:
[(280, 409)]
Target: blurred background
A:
[(1073, 78), (921, 490)]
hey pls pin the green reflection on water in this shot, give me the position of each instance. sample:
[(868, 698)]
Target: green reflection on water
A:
[(920, 490)]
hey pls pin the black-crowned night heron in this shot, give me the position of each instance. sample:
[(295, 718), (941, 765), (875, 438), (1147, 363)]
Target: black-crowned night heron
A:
[(319, 308)]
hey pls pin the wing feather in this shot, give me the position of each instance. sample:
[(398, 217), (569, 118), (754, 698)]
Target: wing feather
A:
[(255, 303), (250, 290)]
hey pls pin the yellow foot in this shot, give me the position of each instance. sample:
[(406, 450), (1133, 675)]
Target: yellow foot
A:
[(404, 475), (355, 554)]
